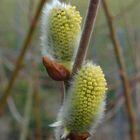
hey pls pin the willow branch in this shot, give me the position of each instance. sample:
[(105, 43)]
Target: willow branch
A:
[(123, 75), (20, 59), (82, 51), (86, 34), (85, 37)]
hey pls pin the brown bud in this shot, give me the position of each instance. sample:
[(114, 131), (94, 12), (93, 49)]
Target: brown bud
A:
[(74, 136), (56, 70)]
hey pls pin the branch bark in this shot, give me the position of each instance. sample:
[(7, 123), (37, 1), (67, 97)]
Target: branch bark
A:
[(86, 34), (85, 38), (121, 64), (20, 59), (82, 51)]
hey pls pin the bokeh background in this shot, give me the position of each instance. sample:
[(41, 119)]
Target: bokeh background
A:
[(36, 99)]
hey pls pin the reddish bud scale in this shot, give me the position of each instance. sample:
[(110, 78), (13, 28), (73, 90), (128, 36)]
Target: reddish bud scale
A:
[(76, 136), (56, 70)]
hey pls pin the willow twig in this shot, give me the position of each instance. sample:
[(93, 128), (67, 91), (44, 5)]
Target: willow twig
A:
[(82, 51), (20, 59), (123, 75), (85, 37), (86, 34)]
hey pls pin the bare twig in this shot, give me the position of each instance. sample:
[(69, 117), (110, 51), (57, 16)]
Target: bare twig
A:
[(26, 45), (86, 34), (82, 51), (85, 37), (123, 75)]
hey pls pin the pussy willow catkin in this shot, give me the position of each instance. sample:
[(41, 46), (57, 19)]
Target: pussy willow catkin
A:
[(61, 26), (85, 103)]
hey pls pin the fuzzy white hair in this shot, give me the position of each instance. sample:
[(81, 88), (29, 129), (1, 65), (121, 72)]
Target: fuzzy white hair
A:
[(46, 45), (98, 119)]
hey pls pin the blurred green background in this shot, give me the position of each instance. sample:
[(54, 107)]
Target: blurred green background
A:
[(33, 82)]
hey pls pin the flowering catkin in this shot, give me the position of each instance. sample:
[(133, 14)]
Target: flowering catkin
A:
[(85, 103), (60, 31)]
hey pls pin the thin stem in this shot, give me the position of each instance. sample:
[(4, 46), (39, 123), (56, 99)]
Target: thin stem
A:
[(86, 34), (82, 51), (85, 37), (123, 75), (20, 59)]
